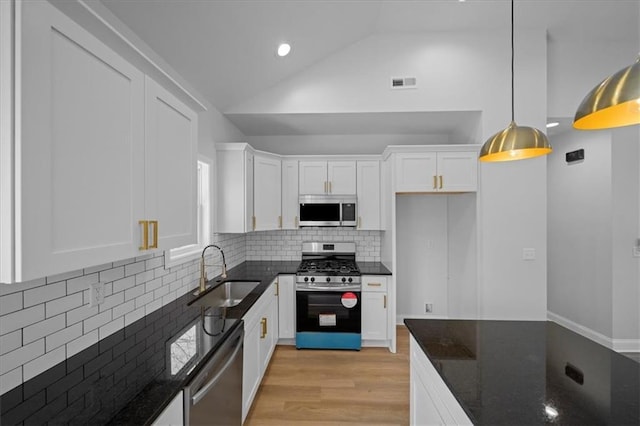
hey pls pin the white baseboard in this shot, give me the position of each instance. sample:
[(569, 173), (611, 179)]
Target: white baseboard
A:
[(618, 345)]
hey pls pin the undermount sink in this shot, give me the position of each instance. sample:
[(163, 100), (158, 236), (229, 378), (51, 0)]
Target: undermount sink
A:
[(227, 294)]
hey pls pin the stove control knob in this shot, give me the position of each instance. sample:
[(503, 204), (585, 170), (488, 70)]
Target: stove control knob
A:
[(312, 279), (350, 279), (344, 279), (306, 279), (328, 279)]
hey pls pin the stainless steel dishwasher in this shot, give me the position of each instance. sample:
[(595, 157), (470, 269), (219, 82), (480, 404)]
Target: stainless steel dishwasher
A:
[(214, 396)]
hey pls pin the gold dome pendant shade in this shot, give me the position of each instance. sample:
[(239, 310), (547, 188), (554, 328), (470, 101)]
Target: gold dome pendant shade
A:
[(515, 142), (615, 102)]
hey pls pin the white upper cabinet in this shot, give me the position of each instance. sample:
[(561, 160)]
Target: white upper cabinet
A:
[(78, 152), (368, 191), (290, 203), (235, 187), (98, 159), (267, 193), (332, 177), (455, 171), (171, 152)]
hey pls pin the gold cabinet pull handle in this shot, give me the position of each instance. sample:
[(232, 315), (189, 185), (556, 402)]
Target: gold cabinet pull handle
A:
[(277, 288), (295, 221), (254, 223), (359, 222), (329, 187), (385, 301), (374, 284), (440, 181), (155, 234), (263, 323), (435, 182), (145, 234)]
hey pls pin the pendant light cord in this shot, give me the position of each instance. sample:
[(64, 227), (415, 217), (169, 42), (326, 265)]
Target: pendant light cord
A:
[(512, 68)]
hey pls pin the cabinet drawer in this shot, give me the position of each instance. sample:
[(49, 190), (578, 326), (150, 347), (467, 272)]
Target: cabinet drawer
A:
[(374, 283)]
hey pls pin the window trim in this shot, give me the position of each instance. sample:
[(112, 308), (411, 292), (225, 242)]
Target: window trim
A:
[(180, 255)]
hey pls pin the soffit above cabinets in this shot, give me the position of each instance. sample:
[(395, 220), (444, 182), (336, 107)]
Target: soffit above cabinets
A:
[(449, 123)]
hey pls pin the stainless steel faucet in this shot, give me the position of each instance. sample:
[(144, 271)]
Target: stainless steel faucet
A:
[(203, 273)]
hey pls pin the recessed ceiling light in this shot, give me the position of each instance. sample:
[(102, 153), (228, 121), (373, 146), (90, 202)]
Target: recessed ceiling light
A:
[(552, 124), (284, 49)]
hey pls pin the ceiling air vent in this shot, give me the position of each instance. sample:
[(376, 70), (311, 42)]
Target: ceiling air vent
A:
[(404, 83)]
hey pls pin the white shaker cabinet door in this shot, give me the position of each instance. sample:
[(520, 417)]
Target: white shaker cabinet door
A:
[(286, 307), (267, 193), (171, 152), (79, 154), (341, 176), (458, 171), (416, 172), (313, 177), (368, 184), (290, 201)]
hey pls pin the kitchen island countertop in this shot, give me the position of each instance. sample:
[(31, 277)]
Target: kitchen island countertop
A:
[(530, 373)]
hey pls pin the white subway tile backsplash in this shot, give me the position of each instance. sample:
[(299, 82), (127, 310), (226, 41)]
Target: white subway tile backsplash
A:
[(134, 268), (33, 368), (125, 308), (10, 380), (143, 277), (134, 292), (112, 274), (62, 337), (63, 304), (156, 262), (80, 314), (144, 299), (81, 283), (43, 328), (10, 341), (10, 303), (134, 316), (39, 295), (111, 327), (152, 285), (21, 356), (19, 319), (124, 284), (152, 306), (96, 321), (81, 343), (112, 301)]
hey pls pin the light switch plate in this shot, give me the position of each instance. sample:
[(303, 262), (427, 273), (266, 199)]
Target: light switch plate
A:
[(528, 254), (96, 293)]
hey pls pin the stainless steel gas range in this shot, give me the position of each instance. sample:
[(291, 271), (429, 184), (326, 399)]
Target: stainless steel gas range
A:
[(328, 297)]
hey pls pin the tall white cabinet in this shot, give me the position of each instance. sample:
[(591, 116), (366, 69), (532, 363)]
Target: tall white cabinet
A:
[(290, 204)]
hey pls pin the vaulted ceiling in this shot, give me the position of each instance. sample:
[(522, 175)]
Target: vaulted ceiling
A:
[(226, 48)]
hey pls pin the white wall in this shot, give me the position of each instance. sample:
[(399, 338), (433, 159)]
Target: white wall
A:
[(594, 281), (579, 232)]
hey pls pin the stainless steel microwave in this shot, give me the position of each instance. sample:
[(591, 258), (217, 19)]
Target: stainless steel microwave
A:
[(328, 210)]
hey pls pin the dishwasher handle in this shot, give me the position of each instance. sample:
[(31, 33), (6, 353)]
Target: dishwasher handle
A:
[(203, 391)]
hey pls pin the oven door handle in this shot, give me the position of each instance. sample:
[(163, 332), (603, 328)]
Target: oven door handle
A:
[(327, 288)]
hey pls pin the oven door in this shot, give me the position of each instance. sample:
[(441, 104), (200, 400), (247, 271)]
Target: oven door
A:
[(328, 311)]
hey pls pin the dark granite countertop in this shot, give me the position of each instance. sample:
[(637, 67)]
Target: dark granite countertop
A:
[(130, 376), (373, 268), (508, 372)]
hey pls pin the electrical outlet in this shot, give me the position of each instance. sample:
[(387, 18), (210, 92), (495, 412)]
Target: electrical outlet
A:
[(528, 254), (428, 308), (97, 294)]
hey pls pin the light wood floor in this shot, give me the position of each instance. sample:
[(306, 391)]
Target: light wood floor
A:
[(326, 387)]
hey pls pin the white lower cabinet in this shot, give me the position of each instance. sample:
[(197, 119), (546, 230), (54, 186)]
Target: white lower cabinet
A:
[(173, 415), (375, 312), (260, 338), (286, 307), (430, 400)]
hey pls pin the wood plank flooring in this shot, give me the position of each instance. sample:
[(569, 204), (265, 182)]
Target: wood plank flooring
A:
[(328, 388)]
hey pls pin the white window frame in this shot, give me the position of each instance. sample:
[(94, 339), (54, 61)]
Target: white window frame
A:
[(190, 252)]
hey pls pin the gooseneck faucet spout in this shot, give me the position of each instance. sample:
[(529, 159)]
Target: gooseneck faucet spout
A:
[(203, 274)]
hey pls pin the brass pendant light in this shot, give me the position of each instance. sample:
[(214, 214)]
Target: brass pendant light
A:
[(515, 142), (615, 102)]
